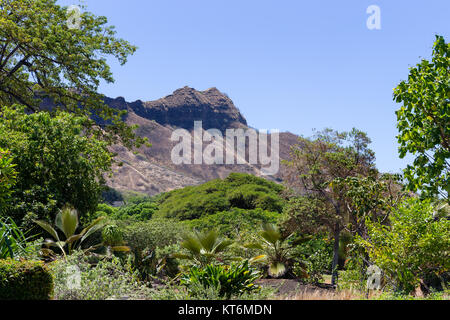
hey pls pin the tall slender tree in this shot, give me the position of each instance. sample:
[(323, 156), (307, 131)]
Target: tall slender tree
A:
[(316, 169)]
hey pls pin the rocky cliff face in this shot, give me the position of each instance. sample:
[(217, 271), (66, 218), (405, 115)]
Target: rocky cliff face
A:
[(152, 170), (186, 105)]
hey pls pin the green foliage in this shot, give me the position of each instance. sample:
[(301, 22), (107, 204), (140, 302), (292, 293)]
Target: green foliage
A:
[(7, 178), (25, 280), (234, 222), (139, 211), (444, 295), (104, 209), (197, 292), (204, 248), (112, 236), (110, 195), (67, 222), (238, 190), (106, 279), (152, 234), (229, 281), (278, 252), (413, 247), (13, 241), (42, 59), (152, 244), (319, 170), (316, 256), (57, 163), (424, 122)]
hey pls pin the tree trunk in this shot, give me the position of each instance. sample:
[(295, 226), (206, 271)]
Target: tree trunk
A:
[(334, 267)]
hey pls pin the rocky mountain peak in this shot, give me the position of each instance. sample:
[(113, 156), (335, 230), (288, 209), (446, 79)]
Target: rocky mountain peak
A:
[(186, 105)]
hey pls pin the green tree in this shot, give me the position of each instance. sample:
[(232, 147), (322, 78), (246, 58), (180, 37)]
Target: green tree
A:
[(278, 251), (413, 246), (238, 190), (42, 60), (57, 163), (7, 177), (316, 169), (424, 122)]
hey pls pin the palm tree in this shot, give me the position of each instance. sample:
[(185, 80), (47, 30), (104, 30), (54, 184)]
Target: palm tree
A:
[(203, 248), (278, 251)]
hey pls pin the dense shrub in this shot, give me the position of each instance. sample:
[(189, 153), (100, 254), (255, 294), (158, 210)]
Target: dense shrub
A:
[(413, 247), (316, 255), (238, 190), (56, 163), (7, 177), (25, 280), (139, 211), (152, 243), (99, 280), (143, 209), (151, 234), (234, 222), (112, 236)]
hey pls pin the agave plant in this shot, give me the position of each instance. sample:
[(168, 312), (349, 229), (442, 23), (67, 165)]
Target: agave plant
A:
[(276, 248), (67, 221), (203, 248)]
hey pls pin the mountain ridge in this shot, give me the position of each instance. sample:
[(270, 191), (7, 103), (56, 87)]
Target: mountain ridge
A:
[(152, 170)]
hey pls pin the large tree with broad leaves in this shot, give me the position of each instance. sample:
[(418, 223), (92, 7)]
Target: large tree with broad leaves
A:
[(424, 122), (43, 59)]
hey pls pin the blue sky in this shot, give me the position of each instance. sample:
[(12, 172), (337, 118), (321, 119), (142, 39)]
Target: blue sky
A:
[(288, 65)]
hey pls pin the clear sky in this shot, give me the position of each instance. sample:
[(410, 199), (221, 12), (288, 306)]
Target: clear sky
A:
[(287, 65)]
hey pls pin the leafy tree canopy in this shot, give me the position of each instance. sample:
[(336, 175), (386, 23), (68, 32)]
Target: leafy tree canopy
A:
[(56, 163), (42, 59), (412, 247), (238, 190), (424, 122), (318, 170)]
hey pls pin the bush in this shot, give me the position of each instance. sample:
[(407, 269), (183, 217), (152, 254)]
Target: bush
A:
[(14, 242), (25, 280), (234, 222), (316, 254), (112, 236), (139, 211), (7, 177), (228, 281), (412, 248), (238, 190), (152, 243), (151, 234), (56, 163), (105, 279)]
